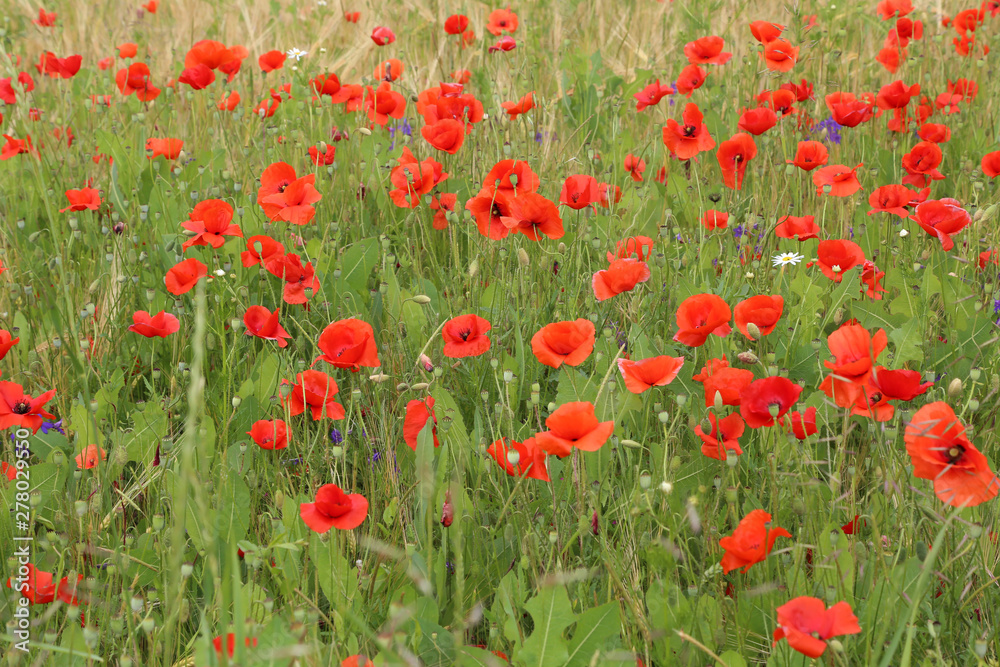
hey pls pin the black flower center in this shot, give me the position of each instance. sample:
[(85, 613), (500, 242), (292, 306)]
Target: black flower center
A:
[(690, 130), (22, 407), (464, 335), (955, 453)]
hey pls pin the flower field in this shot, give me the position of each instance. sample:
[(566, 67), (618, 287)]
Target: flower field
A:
[(558, 334)]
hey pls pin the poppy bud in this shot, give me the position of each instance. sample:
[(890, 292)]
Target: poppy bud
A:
[(522, 257), (421, 299), (402, 386), (921, 551), (838, 316), (955, 388), (748, 358), (553, 537), (473, 268), (645, 480), (513, 457), (594, 525), (979, 648), (420, 386), (973, 405), (631, 444), (378, 377), (753, 330), (681, 400)]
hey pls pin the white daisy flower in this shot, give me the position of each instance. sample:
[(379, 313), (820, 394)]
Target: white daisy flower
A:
[(786, 258), (298, 54)]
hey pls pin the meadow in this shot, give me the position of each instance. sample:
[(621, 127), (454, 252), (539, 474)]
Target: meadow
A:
[(557, 334)]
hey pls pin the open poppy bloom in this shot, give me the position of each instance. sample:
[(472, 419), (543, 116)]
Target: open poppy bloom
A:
[(383, 103), (645, 374), (298, 278), (446, 135), (511, 178), (261, 249), (502, 20), (489, 207), (272, 60), (870, 277), (803, 424), (942, 218), (523, 105), (779, 55), (765, 31), (712, 220), (317, 391), (443, 205), (15, 147), (529, 458), (211, 222), (269, 434), (687, 140), (198, 77), (764, 401), (19, 409), (321, 157), (700, 316), (991, 164), (891, 199), (848, 110), (762, 311), (183, 276), (855, 351), (635, 166), (579, 192), (262, 323), (940, 450), (757, 121), (809, 155), (834, 257), (7, 341), (456, 24), (170, 149), (884, 386), (723, 437), (622, 275), (651, 95), (37, 586), (707, 51), (690, 79), (533, 215), (136, 79), (634, 247), (63, 68), (349, 344), (574, 425), (90, 457), (160, 325), (733, 156), (836, 180), (418, 411), (921, 164), (722, 381), (413, 179), (45, 19), (751, 542), (807, 624), (465, 336), (504, 44), (559, 343), (334, 509), (798, 228), (325, 84), (934, 132), (284, 196), (84, 199)]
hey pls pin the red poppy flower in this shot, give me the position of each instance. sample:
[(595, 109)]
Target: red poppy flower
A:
[(896, 95), (7, 341), (891, 199), (764, 401), (160, 325), (456, 24), (8, 94), (574, 425), (17, 147), (870, 277), (635, 166), (283, 196), (644, 374), (779, 55), (418, 411), (383, 36), (765, 31), (170, 149), (84, 199), (352, 17), (935, 132), (184, 275), (320, 157), (986, 258), (751, 542), (298, 278), (712, 220), (569, 342), (45, 19), (272, 60), (314, 390), (803, 424), (532, 214), (269, 433), (890, 57), (37, 586), (718, 378), (446, 135), (211, 222), (325, 84), (942, 218), (502, 20), (733, 156), (809, 155), (803, 91), (349, 344), (991, 164), (637, 247), (261, 249), (707, 51), (848, 110), (841, 181), (940, 450), (413, 179), (231, 637), (805, 621), (889, 9), (19, 409), (505, 43), (62, 68), (383, 103), (690, 79), (579, 191), (757, 121), (489, 207), (334, 509), (529, 456), (855, 351), (921, 164), (523, 105), (762, 311), (461, 76), (687, 140), (262, 323), (136, 79), (198, 77), (622, 275), (700, 316), (446, 202), (90, 457), (781, 101), (723, 437), (465, 336), (798, 228), (608, 194), (228, 101), (835, 257), (512, 177), (651, 95)]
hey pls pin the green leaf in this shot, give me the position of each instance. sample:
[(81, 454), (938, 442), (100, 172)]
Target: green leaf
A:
[(594, 631), (552, 614), (733, 659)]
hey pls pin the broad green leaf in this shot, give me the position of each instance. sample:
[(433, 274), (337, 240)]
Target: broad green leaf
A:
[(552, 613)]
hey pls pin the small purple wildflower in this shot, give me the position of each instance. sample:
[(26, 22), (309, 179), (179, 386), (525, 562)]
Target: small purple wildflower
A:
[(830, 129)]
